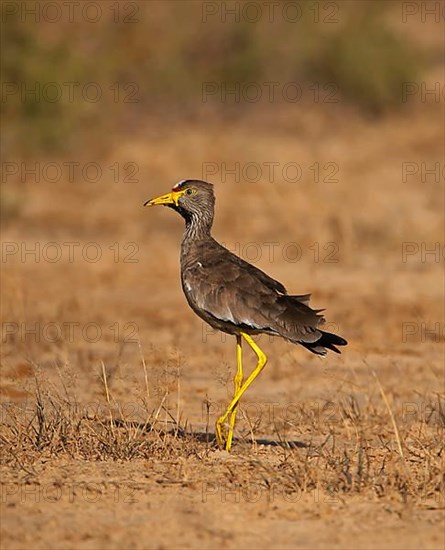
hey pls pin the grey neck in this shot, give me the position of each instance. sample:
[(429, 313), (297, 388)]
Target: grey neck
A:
[(198, 227)]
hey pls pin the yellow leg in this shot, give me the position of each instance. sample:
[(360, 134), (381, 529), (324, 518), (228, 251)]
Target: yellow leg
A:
[(262, 360), (238, 382)]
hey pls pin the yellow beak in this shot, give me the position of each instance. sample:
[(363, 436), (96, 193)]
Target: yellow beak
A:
[(169, 198)]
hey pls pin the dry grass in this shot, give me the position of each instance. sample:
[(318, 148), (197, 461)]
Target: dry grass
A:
[(377, 450)]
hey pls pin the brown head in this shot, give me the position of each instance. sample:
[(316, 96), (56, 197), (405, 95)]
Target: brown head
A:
[(193, 199)]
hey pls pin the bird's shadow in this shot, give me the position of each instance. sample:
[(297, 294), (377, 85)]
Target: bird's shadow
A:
[(208, 437)]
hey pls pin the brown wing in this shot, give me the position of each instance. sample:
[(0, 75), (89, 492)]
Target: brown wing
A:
[(229, 294), (235, 292)]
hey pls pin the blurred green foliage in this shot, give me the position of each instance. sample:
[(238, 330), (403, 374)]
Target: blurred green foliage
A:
[(368, 62), (25, 65), (10, 205), (172, 52)]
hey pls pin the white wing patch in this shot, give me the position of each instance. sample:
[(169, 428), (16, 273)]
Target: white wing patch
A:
[(187, 286)]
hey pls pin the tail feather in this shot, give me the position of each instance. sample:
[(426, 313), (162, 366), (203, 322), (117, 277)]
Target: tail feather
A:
[(325, 342), (302, 298), (300, 324)]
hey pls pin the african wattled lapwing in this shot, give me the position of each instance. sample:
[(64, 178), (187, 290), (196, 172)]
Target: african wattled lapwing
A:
[(236, 297)]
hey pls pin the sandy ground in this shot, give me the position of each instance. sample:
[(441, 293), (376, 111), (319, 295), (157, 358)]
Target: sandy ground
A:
[(342, 452)]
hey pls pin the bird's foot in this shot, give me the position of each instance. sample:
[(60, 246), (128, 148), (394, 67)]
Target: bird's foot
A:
[(223, 438)]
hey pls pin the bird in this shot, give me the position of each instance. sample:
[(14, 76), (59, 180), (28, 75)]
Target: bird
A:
[(236, 297)]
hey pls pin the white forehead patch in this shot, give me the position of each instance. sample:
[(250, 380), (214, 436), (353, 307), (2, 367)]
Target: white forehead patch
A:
[(178, 185)]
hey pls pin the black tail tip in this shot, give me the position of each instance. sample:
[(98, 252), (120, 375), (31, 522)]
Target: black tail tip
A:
[(325, 342)]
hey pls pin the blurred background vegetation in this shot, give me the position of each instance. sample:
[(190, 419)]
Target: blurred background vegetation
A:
[(171, 51), (150, 66)]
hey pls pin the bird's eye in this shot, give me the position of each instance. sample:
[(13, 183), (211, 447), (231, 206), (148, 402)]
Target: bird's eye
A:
[(190, 191)]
